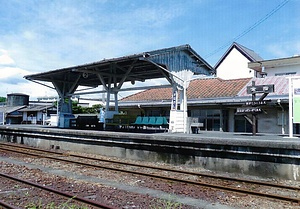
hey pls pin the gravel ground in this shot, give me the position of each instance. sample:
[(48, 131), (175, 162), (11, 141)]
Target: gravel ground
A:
[(118, 189)]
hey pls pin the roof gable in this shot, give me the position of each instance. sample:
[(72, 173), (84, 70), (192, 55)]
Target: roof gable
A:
[(248, 53)]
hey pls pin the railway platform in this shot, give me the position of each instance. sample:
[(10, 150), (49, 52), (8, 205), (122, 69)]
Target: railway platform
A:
[(267, 155)]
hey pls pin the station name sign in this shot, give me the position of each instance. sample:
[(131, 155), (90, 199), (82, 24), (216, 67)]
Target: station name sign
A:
[(251, 110), (256, 103), (260, 89)]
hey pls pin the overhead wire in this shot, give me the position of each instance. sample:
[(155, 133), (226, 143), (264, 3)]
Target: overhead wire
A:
[(267, 16)]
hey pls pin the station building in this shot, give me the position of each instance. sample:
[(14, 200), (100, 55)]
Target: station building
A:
[(214, 102)]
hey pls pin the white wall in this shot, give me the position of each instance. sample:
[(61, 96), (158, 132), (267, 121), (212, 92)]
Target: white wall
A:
[(234, 66), (24, 116), (283, 69)]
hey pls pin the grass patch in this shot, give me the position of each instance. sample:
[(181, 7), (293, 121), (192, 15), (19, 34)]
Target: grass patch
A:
[(170, 203), (52, 205)]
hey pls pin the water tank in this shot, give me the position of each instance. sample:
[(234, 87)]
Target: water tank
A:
[(17, 99)]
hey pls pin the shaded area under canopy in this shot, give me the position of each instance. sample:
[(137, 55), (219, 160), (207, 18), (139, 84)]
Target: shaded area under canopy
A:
[(176, 64)]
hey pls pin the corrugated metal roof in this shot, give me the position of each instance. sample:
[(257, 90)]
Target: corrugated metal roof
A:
[(11, 109), (35, 108), (281, 85), (250, 53), (137, 67)]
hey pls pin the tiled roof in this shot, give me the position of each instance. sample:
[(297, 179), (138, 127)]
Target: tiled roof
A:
[(150, 95), (212, 88), (200, 88)]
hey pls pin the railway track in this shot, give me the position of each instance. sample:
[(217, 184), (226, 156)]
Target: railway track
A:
[(79, 200), (222, 183)]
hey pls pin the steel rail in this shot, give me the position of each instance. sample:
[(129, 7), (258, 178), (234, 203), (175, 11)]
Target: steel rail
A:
[(65, 194), (8, 206), (226, 188), (164, 169)]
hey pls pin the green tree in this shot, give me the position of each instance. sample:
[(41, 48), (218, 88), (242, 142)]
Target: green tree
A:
[(77, 109), (2, 99)]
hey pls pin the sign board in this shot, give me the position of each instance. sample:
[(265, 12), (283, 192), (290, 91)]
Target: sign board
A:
[(174, 100), (248, 110), (294, 102), (1, 118), (296, 105), (256, 103), (260, 89)]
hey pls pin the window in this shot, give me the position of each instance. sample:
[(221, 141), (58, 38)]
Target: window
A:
[(242, 125), (288, 73), (209, 117)]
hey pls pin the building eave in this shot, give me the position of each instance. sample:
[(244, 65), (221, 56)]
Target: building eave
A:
[(289, 61), (225, 101)]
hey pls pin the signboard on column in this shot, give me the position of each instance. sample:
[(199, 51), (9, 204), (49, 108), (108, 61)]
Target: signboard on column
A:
[(296, 101), (174, 100), (2, 118)]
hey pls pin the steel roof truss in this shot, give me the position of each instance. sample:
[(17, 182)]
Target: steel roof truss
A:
[(74, 86), (58, 89), (102, 81), (124, 77), (43, 84)]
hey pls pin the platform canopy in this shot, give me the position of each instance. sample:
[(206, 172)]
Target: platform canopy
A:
[(166, 63), (137, 67)]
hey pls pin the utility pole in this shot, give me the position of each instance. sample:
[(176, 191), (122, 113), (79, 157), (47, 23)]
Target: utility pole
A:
[(253, 115)]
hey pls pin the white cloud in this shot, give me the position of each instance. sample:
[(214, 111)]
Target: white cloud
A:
[(284, 49), (29, 88), (11, 78), (5, 59), (60, 33), (12, 72), (48, 35), (9, 73)]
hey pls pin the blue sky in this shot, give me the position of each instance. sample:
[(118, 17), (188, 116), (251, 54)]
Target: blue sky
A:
[(42, 35)]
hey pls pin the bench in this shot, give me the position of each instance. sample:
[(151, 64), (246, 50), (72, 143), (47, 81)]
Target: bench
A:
[(85, 122), (119, 121), (151, 121), (197, 127)]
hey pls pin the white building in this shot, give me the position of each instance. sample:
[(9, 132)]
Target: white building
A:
[(234, 63), (277, 67)]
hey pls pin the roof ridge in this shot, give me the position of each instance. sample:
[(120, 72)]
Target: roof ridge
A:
[(234, 79), (248, 53)]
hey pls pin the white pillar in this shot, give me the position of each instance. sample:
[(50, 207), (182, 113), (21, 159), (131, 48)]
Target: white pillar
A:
[(290, 107), (184, 107), (107, 100), (116, 102)]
